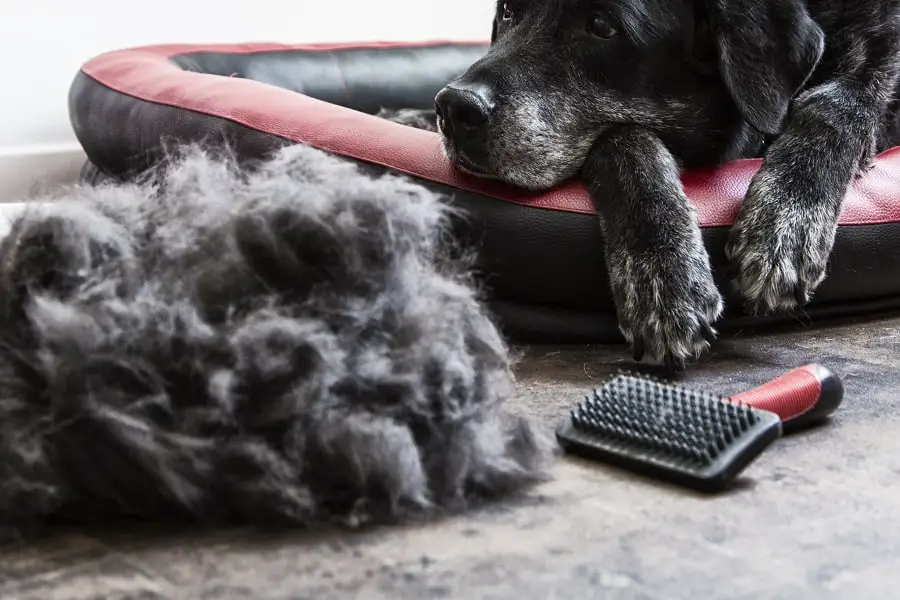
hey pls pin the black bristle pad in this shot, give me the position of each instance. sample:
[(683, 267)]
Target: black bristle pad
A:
[(668, 431)]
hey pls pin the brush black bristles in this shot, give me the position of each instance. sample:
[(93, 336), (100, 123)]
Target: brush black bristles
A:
[(667, 431)]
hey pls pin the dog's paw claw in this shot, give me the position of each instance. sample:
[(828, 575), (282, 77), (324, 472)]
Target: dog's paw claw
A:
[(674, 363), (637, 348), (674, 345)]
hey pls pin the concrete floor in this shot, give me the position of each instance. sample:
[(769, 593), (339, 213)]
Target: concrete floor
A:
[(817, 516)]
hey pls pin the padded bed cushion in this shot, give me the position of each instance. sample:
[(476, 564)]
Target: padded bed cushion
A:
[(541, 255)]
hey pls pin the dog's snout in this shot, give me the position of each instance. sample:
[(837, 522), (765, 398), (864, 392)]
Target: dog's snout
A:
[(462, 108)]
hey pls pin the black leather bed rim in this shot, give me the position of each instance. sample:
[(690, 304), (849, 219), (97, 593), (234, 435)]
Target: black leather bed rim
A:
[(543, 268)]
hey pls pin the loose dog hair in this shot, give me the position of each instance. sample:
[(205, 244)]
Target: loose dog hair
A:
[(296, 342), (627, 93)]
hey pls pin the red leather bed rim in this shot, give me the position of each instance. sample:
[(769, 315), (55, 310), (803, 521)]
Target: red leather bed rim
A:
[(147, 74)]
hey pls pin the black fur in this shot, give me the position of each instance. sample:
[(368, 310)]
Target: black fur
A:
[(299, 343), (411, 117), (810, 85)]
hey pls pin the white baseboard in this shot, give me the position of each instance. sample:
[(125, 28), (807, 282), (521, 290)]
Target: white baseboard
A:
[(26, 171)]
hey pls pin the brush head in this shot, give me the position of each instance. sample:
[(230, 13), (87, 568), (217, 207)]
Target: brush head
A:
[(667, 431)]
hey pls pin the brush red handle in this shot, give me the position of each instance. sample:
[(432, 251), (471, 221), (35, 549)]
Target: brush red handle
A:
[(801, 397)]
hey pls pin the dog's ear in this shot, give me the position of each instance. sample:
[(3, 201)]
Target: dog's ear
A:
[(766, 51)]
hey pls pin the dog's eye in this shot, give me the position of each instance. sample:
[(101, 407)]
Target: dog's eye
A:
[(600, 27), (506, 12)]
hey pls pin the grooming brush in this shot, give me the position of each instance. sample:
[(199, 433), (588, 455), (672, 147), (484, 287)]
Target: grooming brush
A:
[(692, 437)]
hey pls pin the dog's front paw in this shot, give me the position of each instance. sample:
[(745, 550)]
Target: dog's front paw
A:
[(667, 307), (779, 255)]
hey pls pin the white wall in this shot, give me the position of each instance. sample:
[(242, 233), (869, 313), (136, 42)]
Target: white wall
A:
[(44, 42)]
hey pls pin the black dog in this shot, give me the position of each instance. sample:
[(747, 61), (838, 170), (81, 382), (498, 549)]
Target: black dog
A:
[(627, 92)]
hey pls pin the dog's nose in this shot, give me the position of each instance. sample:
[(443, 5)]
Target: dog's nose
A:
[(462, 108)]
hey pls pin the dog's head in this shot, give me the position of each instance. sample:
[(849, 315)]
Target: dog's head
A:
[(711, 77)]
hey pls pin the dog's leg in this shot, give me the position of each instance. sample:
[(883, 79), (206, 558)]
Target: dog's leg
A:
[(658, 267), (781, 241)]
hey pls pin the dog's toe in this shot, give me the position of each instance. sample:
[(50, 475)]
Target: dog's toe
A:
[(778, 271), (677, 337), (673, 325)]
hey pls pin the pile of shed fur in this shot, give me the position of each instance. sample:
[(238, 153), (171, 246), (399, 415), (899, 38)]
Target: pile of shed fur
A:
[(300, 342)]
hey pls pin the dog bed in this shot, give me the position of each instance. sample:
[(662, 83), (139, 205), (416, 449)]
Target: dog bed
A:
[(540, 255)]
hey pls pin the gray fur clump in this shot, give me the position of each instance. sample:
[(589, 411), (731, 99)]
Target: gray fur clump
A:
[(296, 343)]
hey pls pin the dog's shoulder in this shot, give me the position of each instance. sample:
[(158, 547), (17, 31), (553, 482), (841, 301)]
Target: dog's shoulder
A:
[(862, 42), (858, 31), (854, 18)]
